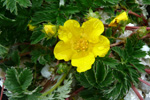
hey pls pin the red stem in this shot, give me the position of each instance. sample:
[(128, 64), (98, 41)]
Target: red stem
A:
[(67, 98), (136, 91), (147, 71), (133, 13), (2, 90), (76, 92), (135, 27), (144, 82)]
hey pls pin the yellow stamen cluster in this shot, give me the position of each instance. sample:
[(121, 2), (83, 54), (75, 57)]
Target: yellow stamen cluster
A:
[(81, 45)]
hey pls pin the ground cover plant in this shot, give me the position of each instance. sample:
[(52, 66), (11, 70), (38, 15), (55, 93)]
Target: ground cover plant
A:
[(75, 49)]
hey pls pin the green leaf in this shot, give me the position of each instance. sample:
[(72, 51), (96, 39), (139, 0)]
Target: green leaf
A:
[(60, 20), (113, 92), (37, 36), (119, 75), (25, 78), (16, 57), (128, 46), (137, 65), (70, 9), (147, 2), (84, 3), (90, 76), (89, 94), (12, 81), (37, 3), (139, 54), (100, 72), (108, 80), (3, 50), (110, 61), (24, 3), (121, 52), (133, 74), (18, 81), (12, 4), (82, 79)]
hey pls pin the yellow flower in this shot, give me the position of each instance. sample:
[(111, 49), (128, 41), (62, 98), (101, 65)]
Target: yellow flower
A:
[(122, 17), (81, 44), (31, 27), (50, 29)]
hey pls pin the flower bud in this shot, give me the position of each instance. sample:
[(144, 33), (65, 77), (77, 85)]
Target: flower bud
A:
[(31, 27), (50, 30)]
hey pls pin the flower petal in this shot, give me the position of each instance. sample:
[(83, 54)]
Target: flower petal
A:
[(84, 63), (101, 48), (92, 29), (71, 29), (115, 21), (63, 50)]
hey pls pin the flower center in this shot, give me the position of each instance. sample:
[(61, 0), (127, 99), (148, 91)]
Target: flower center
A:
[(81, 45)]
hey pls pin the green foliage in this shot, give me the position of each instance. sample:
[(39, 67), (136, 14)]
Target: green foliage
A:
[(15, 57), (17, 82), (37, 35), (3, 50), (12, 4), (61, 92), (110, 77), (43, 56), (115, 73), (147, 2)]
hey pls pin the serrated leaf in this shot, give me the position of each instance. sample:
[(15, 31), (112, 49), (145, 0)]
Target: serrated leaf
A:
[(84, 3), (15, 57), (70, 9), (128, 46), (147, 2), (60, 20), (133, 74), (37, 36), (119, 75), (139, 54), (90, 76), (37, 3), (12, 81), (113, 92), (110, 61), (121, 52), (100, 72), (18, 81), (25, 78), (12, 4), (89, 94), (3, 50), (82, 79), (24, 3), (108, 80), (137, 65)]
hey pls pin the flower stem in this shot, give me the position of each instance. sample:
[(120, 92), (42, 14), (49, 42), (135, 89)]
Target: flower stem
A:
[(2, 89), (144, 82), (136, 91), (58, 83)]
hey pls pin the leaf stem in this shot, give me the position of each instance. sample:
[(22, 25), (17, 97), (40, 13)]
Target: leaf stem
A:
[(136, 91), (58, 83)]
